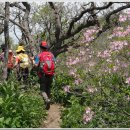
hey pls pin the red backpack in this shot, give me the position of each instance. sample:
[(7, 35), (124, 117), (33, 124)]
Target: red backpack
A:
[(47, 63)]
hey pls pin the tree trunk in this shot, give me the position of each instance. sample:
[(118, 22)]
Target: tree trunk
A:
[(6, 34)]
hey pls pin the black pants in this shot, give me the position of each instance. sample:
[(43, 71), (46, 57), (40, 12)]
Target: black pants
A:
[(23, 74), (9, 71), (45, 86)]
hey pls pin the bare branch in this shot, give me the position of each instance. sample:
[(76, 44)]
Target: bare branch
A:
[(75, 19), (15, 33), (17, 5), (57, 20), (108, 24), (15, 23), (1, 29), (78, 29), (116, 11), (26, 15)]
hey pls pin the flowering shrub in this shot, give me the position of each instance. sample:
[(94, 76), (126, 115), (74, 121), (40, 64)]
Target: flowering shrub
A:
[(99, 93), (104, 106), (72, 116), (89, 34), (60, 88), (88, 115)]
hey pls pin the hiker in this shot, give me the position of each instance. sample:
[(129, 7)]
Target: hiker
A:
[(2, 53), (10, 63), (2, 58), (22, 64), (45, 63)]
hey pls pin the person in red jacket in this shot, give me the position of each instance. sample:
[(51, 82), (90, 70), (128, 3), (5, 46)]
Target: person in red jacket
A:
[(45, 62), (10, 63), (10, 60)]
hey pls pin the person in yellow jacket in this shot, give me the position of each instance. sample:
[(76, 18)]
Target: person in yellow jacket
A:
[(22, 63)]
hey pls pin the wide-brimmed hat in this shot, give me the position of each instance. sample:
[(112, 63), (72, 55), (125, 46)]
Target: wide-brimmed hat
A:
[(20, 48), (44, 44)]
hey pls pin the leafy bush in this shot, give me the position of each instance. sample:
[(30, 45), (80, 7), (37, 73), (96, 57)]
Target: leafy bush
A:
[(72, 116), (109, 103), (58, 93), (19, 109)]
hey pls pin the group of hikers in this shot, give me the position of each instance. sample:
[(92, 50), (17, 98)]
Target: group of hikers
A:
[(44, 62)]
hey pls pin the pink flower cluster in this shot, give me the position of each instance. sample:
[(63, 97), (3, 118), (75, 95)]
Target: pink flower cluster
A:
[(67, 88), (114, 46), (88, 115), (124, 65), (72, 61), (82, 52), (109, 60), (104, 54), (72, 72), (91, 89), (118, 45), (119, 32), (91, 63), (128, 14), (125, 16), (89, 34), (115, 68), (122, 18), (128, 80), (78, 81), (128, 53)]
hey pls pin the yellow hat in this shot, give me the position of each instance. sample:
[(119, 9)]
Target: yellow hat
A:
[(20, 48)]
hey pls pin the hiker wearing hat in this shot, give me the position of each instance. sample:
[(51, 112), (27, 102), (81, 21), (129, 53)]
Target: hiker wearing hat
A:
[(10, 63), (45, 62), (10, 59), (22, 63)]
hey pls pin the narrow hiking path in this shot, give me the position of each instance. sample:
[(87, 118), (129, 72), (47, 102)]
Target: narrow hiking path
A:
[(53, 118)]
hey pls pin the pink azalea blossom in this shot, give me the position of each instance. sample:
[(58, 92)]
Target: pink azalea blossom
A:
[(82, 52), (115, 68), (88, 115), (89, 34), (78, 81), (109, 60), (67, 88), (128, 53), (119, 32), (122, 18), (128, 80), (124, 65), (117, 45), (126, 74), (72, 72), (92, 64), (104, 54), (88, 110), (91, 89)]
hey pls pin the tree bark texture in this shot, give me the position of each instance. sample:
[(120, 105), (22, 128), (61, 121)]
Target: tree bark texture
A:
[(6, 35)]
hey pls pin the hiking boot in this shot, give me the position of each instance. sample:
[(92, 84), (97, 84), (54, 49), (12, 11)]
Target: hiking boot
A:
[(47, 104)]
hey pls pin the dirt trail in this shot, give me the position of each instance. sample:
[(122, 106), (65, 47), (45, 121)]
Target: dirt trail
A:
[(53, 117)]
